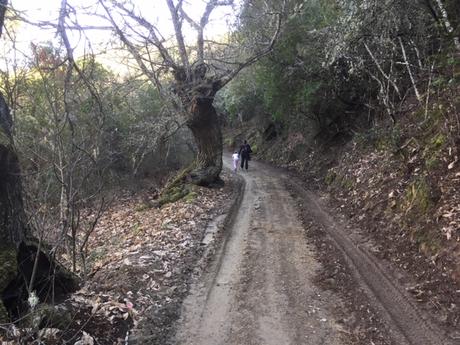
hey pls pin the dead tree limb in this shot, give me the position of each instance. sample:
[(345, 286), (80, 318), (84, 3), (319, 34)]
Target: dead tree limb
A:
[(409, 71), (379, 67)]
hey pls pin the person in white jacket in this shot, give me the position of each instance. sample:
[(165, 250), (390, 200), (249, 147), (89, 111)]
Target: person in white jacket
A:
[(236, 159)]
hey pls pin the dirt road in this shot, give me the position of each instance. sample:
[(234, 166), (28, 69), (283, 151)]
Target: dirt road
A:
[(261, 288)]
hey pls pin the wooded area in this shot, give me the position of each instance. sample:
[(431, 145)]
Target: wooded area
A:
[(300, 79)]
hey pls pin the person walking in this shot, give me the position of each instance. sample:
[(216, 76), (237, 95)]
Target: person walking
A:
[(236, 158), (245, 155)]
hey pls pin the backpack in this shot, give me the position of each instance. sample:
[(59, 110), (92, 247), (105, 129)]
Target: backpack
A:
[(246, 150)]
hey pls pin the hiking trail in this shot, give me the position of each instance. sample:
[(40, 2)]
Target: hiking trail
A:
[(261, 288)]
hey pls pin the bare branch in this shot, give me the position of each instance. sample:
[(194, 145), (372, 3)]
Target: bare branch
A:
[(132, 49), (16, 16), (177, 23), (157, 42), (387, 77), (194, 24), (409, 71), (72, 64), (448, 26), (228, 77), (204, 21)]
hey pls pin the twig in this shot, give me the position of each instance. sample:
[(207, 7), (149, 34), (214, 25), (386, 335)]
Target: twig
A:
[(427, 98), (411, 76), (381, 70)]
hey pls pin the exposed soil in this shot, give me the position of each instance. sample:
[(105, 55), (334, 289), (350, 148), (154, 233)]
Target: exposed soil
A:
[(403, 234), (397, 187), (261, 288), (270, 285)]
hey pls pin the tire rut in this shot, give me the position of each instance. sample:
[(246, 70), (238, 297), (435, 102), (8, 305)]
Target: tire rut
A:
[(410, 325)]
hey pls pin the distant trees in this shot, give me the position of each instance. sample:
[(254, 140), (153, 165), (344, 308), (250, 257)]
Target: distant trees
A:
[(75, 142), (293, 82), (338, 60)]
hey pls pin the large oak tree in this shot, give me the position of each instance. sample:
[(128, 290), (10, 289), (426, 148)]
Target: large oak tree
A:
[(196, 71)]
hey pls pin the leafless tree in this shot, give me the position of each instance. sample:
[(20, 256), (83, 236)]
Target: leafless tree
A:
[(198, 71)]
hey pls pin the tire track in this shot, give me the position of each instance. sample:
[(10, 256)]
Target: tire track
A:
[(410, 325)]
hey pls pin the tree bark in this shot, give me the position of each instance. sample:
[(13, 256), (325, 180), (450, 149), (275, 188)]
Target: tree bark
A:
[(447, 24), (205, 127), (197, 93), (11, 205)]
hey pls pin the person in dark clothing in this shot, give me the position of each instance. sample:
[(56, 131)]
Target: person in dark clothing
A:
[(245, 154)]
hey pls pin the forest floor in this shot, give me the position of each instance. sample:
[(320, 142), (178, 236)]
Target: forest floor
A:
[(140, 260)]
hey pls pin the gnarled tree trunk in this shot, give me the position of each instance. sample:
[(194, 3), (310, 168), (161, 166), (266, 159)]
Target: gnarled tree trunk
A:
[(197, 92), (11, 208), (205, 128)]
